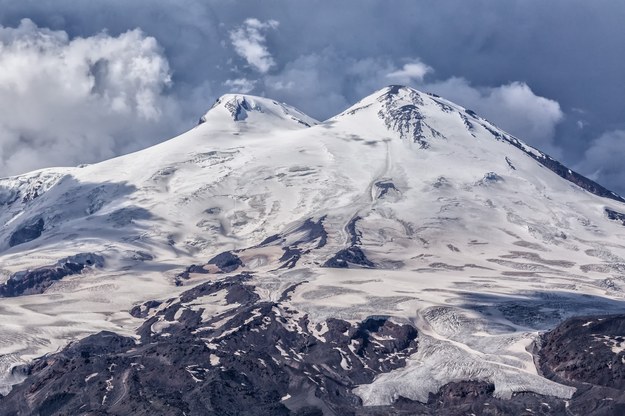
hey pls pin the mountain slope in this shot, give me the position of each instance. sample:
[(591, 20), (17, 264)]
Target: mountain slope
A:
[(404, 207)]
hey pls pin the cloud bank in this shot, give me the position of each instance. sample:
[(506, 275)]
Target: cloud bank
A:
[(410, 72), (66, 101), (532, 67), (513, 107), (603, 161), (249, 43)]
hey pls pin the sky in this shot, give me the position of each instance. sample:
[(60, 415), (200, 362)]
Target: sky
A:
[(83, 81)]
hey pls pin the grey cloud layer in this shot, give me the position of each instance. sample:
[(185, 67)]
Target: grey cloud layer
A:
[(550, 72)]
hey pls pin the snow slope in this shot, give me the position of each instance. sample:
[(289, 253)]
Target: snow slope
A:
[(428, 214)]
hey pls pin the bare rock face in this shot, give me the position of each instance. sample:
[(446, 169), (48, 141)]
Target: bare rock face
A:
[(27, 232), (30, 282), (589, 353), (226, 262), (588, 350), (615, 215), (353, 256)]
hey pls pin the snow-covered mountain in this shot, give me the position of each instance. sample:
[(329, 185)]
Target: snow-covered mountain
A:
[(405, 210)]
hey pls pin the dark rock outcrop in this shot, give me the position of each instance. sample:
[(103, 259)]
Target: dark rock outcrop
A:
[(226, 262), (290, 257), (588, 353), (194, 268), (353, 231), (27, 232), (310, 234), (589, 350), (353, 256), (312, 231), (406, 119), (384, 187), (615, 215), (36, 281)]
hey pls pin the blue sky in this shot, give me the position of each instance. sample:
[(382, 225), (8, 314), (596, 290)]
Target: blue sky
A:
[(84, 81)]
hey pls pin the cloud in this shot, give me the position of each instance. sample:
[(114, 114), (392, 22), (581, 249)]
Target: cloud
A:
[(313, 83), (249, 43), (513, 107), (240, 85), (89, 98), (325, 83), (347, 51), (82, 100), (517, 106), (410, 72), (603, 161)]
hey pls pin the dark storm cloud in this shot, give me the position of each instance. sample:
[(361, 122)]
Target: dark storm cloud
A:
[(550, 72)]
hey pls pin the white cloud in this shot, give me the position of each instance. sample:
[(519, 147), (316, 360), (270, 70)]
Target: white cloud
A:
[(64, 102), (249, 43), (513, 107), (240, 85), (603, 160), (410, 72)]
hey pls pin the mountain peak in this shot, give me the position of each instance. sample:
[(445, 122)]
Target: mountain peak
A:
[(400, 91), (400, 94), (405, 111), (246, 108), (458, 235), (429, 121)]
